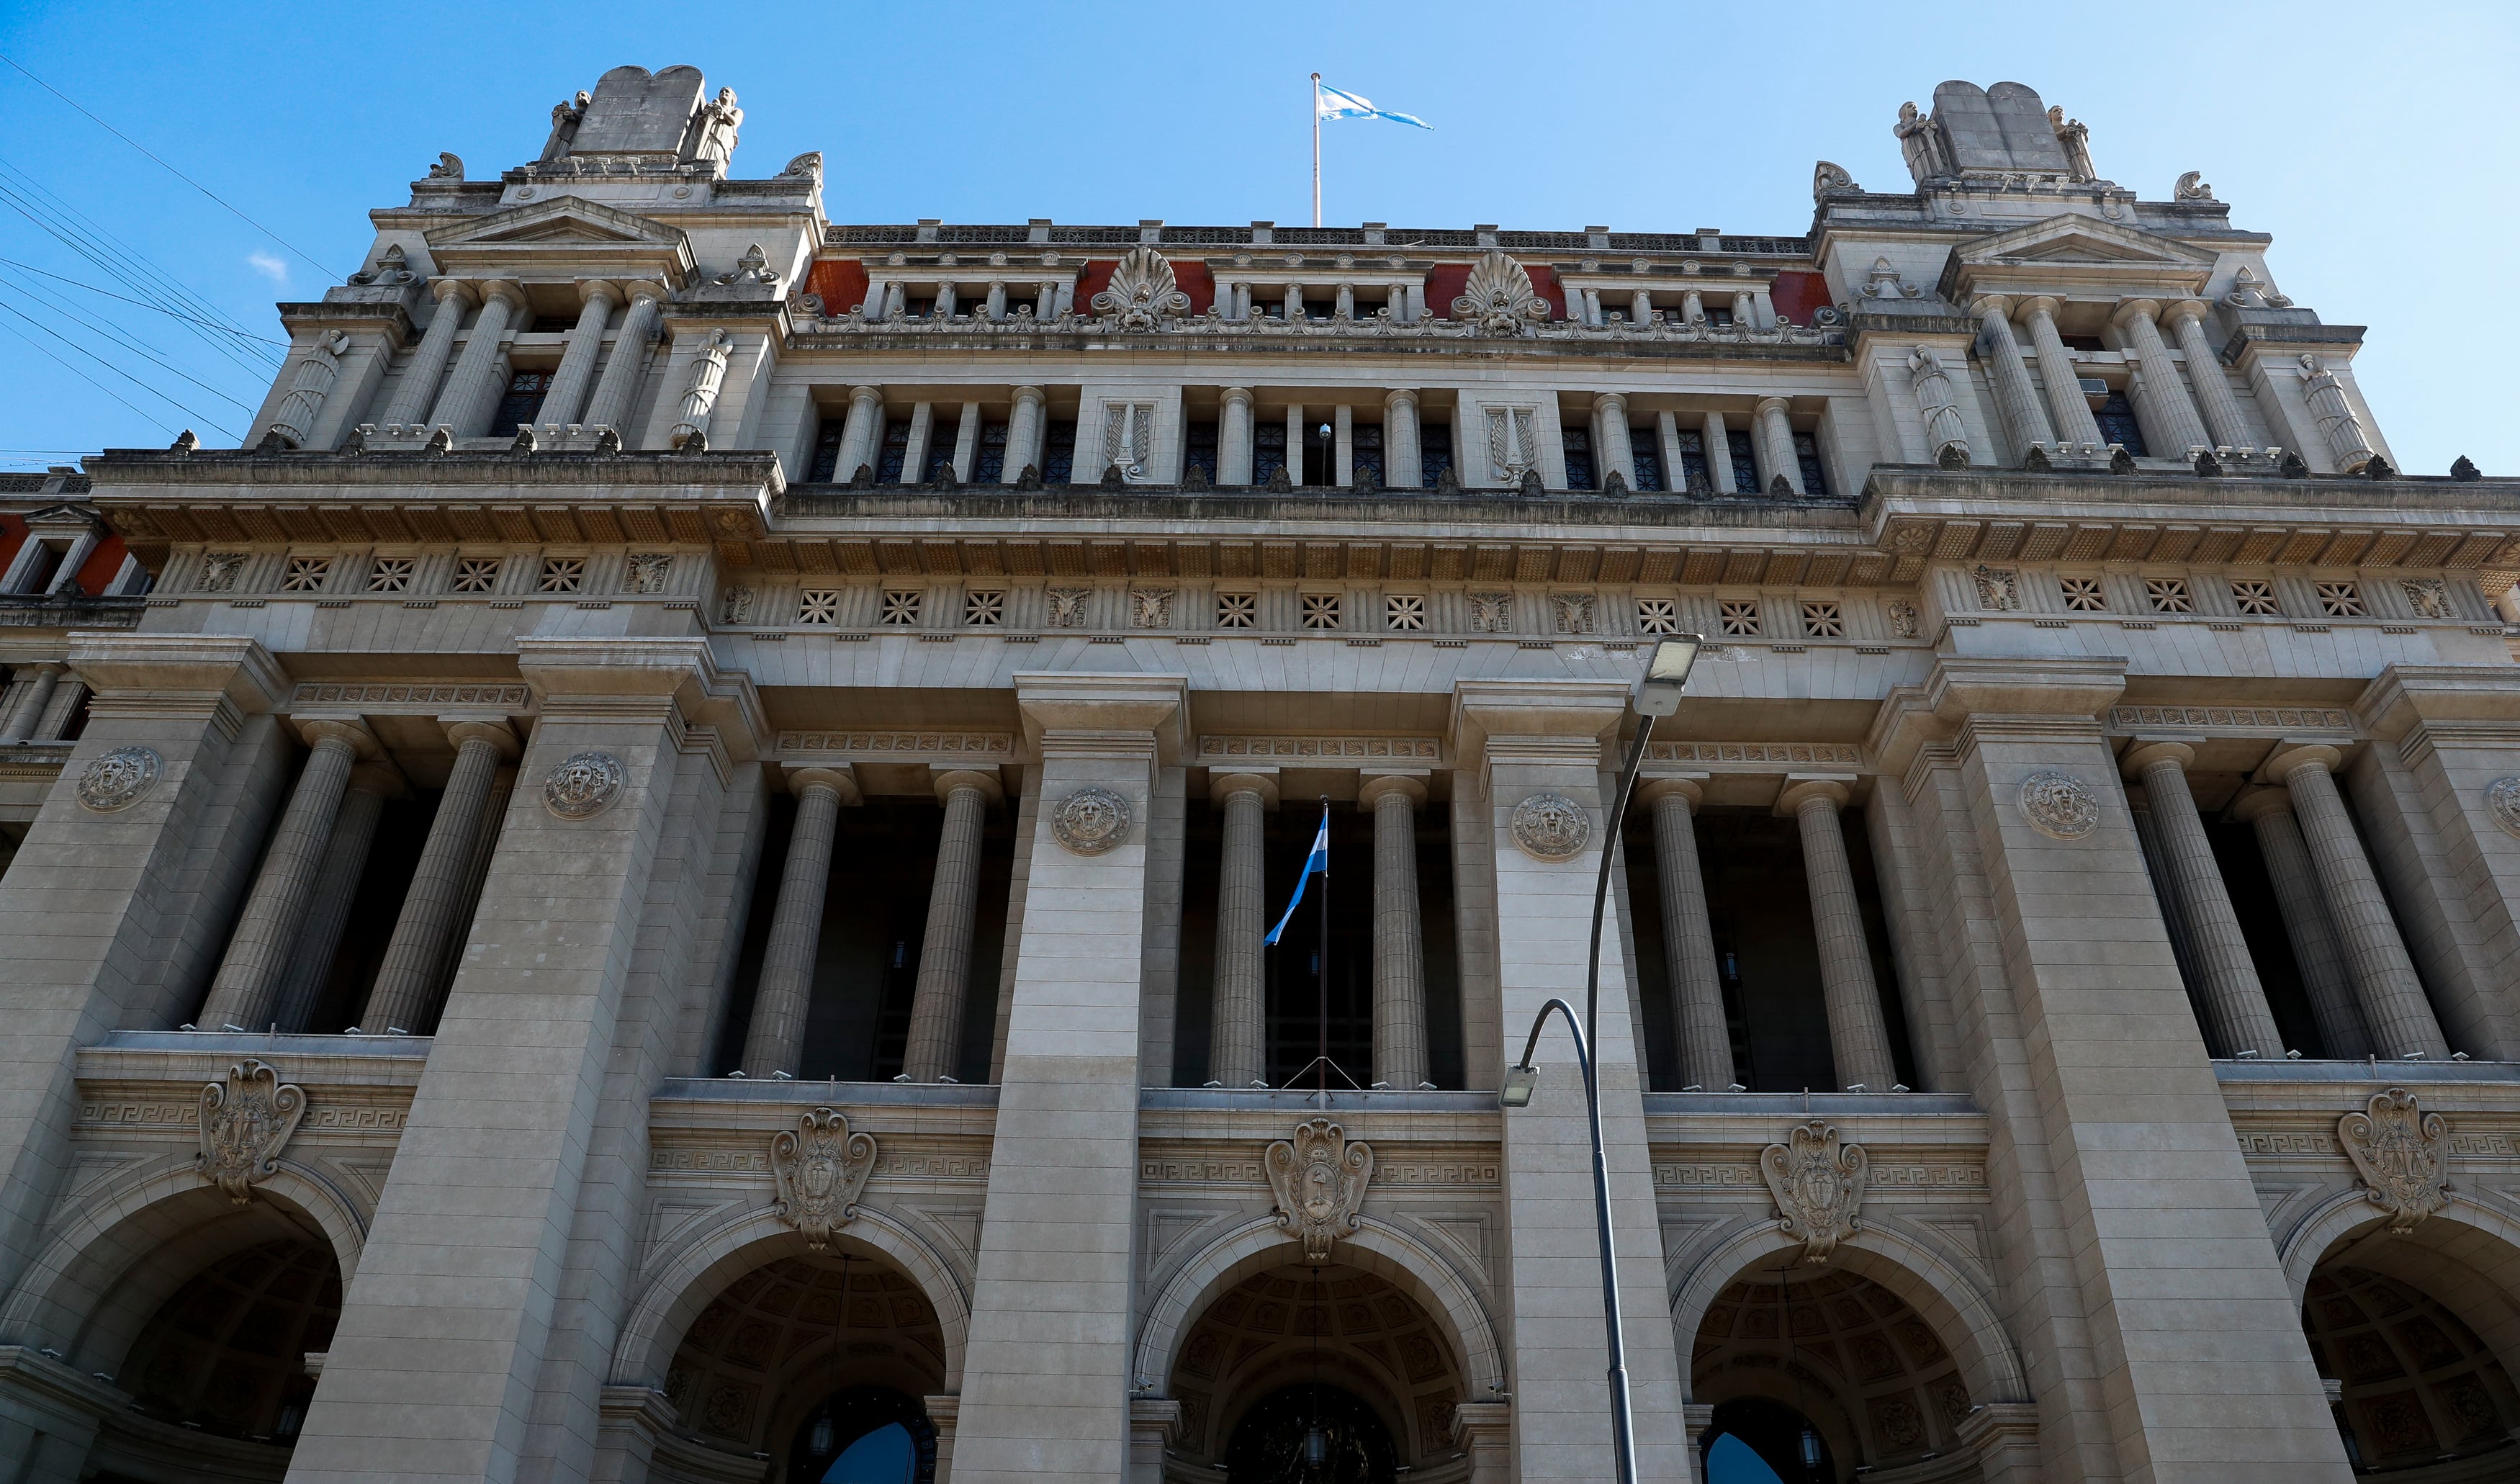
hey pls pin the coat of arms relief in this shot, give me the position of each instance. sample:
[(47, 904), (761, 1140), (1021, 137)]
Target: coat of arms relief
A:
[(2402, 1154), (1818, 1181), (246, 1121), (820, 1168), (1318, 1179)]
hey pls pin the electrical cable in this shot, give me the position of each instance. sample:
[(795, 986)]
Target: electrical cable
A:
[(84, 376), (118, 371), (6, 263), (85, 323)]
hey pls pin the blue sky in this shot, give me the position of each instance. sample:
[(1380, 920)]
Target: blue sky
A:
[(2371, 141)]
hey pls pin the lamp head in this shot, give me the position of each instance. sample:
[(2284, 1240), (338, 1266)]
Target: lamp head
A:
[(1521, 1082), (1667, 674)]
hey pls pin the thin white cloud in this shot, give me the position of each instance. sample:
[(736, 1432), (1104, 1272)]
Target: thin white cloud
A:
[(268, 266)]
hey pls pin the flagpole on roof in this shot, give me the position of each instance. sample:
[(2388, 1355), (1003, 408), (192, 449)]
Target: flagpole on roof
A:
[(1317, 148)]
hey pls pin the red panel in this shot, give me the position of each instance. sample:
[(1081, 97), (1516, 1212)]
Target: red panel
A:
[(13, 535), (1198, 282), (1798, 296), (101, 564), (841, 282), (1096, 277), (1444, 284), (1544, 279)]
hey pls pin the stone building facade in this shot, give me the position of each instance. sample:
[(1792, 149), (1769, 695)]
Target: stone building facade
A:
[(663, 649)]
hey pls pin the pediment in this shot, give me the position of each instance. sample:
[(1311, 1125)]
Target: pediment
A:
[(562, 221), (2084, 240)]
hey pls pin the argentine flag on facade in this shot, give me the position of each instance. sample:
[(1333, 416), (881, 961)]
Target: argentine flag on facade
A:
[(1330, 102), (1318, 860)]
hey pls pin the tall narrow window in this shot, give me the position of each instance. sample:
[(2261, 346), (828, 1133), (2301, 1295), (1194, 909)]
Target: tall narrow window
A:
[(1645, 447), (1365, 454), (1745, 461), (1268, 449), (1694, 476), (1198, 450), (1058, 453), (2116, 418), (1435, 452), (989, 460), (826, 453), (520, 402), (1578, 443), (1807, 459), (896, 451)]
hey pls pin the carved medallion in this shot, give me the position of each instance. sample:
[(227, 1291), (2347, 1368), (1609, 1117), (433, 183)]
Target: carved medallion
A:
[(1550, 827), (1090, 821), (1142, 292), (1498, 298), (2503, 802), (820, 1168), (2058, 806), (1319, 1180), (583, 786), (244, 1122), (1818, 1184), (2402, 1154), (1998, 588), (117, 780)]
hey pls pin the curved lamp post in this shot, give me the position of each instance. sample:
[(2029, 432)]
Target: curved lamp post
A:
[(1657, 695)]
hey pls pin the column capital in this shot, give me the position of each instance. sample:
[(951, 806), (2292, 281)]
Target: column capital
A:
[(2134, 309), (1400, 396), (1692, 788), (1801, 790), (379, 777), (2256, 800), (457, 292), (1766, 405), (2290, 757), (1376, 785), (2035, 306), (2183, 309), (1998, 304), (513, 295), (589, 290), (1237, 395), (948, 779), (349, 729), (1260, 780), (1605, 401), (492, 730), (647, 291), (840, 777), (2143, 753), (875, 393)]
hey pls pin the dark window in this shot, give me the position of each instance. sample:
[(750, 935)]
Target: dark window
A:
[(1268, 450), (2116, 418), (1320, 309), (1578, 443), (989, 464), (1745, 461), (551, 324), (1807, 459), (1198, 450), (1694, 474), (522, 399), (1715, 316), (1320, 448), (2082, 342), (1435, 452), (42, 567), (1645, 443), (896, 451), (1365, 454), (827, 452), (1058, 453), (941, 452)]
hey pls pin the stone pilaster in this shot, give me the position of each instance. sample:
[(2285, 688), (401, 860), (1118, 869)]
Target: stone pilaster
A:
[(953, 904), (1526, 739), (1687, 937), (1399, 938), (1045, 1375)]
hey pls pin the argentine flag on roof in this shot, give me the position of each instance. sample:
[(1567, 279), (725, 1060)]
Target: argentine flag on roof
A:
[(1330, 102)]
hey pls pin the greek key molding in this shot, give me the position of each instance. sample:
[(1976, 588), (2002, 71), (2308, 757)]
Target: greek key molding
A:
[(995, 746), (2234, 718), (1428, 1175), (416, 698), (1413, 750), (1747, 1179), (1839, 754)]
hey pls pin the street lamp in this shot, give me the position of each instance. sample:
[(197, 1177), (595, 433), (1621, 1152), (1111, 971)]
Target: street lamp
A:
[(1657, 695)]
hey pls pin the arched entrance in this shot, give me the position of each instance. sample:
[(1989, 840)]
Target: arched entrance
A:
[(1817, 1373), (1334, 1363), (806, 1357), (2419, 1394)]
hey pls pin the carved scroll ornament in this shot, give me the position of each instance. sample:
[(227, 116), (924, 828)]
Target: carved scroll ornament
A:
[(246, 1121), (1498, 298), (1142, 292), (2402, 1154), (820, 1168), (1819, 1185), (1318, 1179)]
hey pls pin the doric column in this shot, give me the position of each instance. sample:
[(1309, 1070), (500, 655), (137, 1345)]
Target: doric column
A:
[(858, 432), (997, 302), (2073, 416), (1234, 437), (1857, 1037), (1775, 447), (31, 702), (967, 442), (1692, 306), (336, 886), (914, 454), (249, 977), (619, 386), (575, 378), (1238, 1035), (1401, 466), (2233, 998), (1044, 303), (2214, 395), (2175, 423), (1719, 454), (69, 695), (1294, 302), (2023, 416), (1687, 937), (473, 387), (1675, 477), (953, 904), (777, 1036), (2394, 1008), (1640, 307), (1023, 434), (2315, 950), (1343, 307), (418, 388), (1611, 448), (896, 302), (430, 918), (1399, 942), (1746, 311)]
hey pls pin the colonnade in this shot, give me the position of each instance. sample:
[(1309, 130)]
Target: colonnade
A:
[(2176, 417), (463, 398), (40, 702), (863, 427)]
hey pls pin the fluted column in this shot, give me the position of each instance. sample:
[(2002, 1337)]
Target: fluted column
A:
[(1687, 937), (68, 693), (2175, 423), (2235, 1000), (1719, 454), (953, 904), (776, 1040), (248, 976), (1610, 438), (1399, 941), (29, 709), (1237, 1042), (430, 918), (576, 375), (418, 388), (1401, 466), (1023, 434), (1234, 437), (2073, 416), (2325, 980), (472, 386), (1776, 446), (336, 886), (2399, 1018), (618, 386), (2023, 416), (967, 443), (2214, 395), (1858, 1038)]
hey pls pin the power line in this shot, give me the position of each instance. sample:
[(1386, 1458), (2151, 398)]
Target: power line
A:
[(171, 169), (10, 308), (84, 376), (92, 327), (6, 263)]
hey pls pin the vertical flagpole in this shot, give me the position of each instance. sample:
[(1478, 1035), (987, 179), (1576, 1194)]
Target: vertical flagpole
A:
[(1317, 148), (1323, 1063)]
